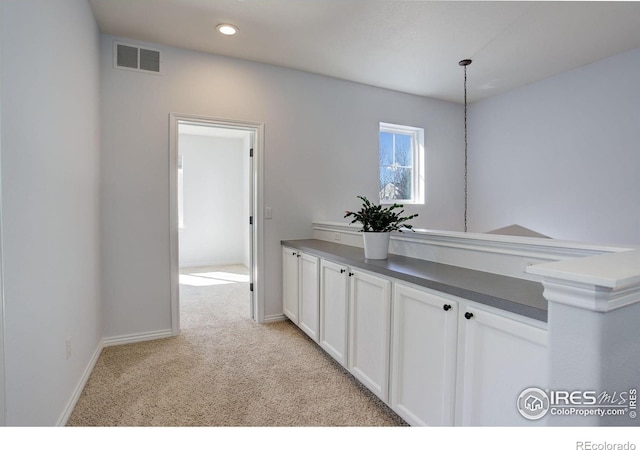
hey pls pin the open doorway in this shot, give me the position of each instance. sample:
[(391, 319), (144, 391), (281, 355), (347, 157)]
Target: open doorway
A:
[(215, 180)]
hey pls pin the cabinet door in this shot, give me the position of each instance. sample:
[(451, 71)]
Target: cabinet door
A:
[(499, 357), (334, 292), (309, 295), (424, 348), (369, 323), (290, 284)]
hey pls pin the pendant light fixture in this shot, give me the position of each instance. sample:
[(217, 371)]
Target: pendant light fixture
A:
[(464, 63)]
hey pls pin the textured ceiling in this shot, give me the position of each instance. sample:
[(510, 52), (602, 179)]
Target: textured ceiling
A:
[(409, 46)]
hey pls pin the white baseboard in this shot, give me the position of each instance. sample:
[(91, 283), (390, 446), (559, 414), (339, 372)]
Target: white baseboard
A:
[(139, 337), (275, 318), (66, 413), (108, 342), (120, 340)]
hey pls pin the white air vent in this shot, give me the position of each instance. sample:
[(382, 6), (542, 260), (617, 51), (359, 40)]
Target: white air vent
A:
[(131, 57)]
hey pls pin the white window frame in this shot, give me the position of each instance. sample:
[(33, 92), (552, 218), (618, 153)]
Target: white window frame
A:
[(418, 169)]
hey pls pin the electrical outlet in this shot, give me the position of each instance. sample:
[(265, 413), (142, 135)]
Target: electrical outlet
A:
[(68, 344)]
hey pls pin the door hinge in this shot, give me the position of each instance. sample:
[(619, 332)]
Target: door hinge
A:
[(250, 153), (251, 287), (250, 220)]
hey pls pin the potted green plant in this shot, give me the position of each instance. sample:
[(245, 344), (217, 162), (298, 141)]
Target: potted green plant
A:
[(377, 224)]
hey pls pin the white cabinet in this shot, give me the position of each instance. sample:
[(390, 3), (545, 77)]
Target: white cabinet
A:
[(369, 330), (309, 295), (290, 284), (353, 314), (435, 359), (423, 362), (300, 290), (355, 323), (498, 358), (456, 363), (334, 309)]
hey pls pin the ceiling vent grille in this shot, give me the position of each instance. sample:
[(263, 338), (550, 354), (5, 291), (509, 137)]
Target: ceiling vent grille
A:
[(140, 59)]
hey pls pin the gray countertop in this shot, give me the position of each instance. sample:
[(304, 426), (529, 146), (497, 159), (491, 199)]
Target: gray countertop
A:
[(519, 296)]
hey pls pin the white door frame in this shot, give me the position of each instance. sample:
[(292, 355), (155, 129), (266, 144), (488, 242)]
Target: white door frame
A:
[(3, 415), (2, 336), (257, 189), (2, 383)]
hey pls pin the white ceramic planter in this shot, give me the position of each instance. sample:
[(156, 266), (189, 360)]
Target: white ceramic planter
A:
[(376, 244)]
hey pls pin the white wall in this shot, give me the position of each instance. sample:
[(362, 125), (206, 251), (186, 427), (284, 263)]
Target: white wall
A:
[(561, 156), (321, 150), (50, 199), (215, 204)]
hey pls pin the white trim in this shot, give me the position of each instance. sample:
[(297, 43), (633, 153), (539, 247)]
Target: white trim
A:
[(108, 342), (104, 343), (613, 270), (3, 411), (507, 245), (136, 337), (174, 226), (274, 318), (598, 283), (543, 248), (75, 395), (587, 296), (515, 256), (257, 183)]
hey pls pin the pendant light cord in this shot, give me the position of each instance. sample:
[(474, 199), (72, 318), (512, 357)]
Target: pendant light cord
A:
[(465, 63)]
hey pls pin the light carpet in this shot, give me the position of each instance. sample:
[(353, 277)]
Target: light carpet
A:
[(225, 370)]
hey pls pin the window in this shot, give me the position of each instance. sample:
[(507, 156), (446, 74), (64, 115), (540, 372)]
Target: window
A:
[(401, 164)]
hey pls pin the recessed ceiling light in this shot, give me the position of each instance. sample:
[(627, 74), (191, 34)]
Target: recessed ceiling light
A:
[(227, 29)]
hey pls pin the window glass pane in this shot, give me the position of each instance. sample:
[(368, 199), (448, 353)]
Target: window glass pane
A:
[(402, 183), (386, 149), (403, 150), (395, 183), (386, 183)]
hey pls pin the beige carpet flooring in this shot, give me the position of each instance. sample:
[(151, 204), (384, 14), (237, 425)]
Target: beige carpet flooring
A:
[(225, 370)]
